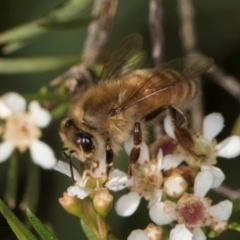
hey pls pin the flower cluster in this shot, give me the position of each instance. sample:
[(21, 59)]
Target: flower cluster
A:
[(174, 182), (20, 129)]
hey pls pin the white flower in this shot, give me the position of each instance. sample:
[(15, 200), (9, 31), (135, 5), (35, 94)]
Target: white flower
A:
[(84, 184), (138, 234), (205, 144), (146, 179), (22, 129), (151, 232), (193, 210), (180, 232)]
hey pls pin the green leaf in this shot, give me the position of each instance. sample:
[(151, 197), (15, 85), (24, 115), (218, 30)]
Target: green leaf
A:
[(66, 11), (234, 225), (90, 235), (12, 179), (41, 229), (21, 231), (236, 128), (60, 110), (67, 25), (42, 97), (32, 188), (236, 205), (32, 65), (16, 45)]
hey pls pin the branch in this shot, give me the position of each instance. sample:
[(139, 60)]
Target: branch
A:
[(156, 30), (187, 32), (79, 77), (157, 38), (228, 192), (229, 83)]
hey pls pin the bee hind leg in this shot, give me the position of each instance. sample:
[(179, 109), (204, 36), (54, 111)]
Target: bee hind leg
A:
[(181, 132), (135, 152), (179, 121)]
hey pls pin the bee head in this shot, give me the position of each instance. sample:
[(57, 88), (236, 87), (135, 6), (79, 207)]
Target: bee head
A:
[(77, 138)]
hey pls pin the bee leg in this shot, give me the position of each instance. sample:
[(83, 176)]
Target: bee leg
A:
[(109, 157), (179, 121), (182, 134), (135, 152)]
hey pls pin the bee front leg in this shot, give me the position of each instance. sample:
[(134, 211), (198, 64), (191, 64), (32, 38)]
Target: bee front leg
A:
[(109, 157), (135, 152)]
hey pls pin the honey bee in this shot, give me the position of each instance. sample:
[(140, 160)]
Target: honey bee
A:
[(120, 106)]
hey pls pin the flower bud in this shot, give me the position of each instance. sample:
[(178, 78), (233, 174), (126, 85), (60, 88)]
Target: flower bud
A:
[(102, 201), (72, 205), (154, 232)]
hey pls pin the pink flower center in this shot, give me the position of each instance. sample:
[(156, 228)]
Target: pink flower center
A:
[(192, 213)]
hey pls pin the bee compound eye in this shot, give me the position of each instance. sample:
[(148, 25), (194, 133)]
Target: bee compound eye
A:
[(87, 144), (69, 123)]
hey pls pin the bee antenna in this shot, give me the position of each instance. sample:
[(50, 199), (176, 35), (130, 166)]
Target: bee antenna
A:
[(68, 153)]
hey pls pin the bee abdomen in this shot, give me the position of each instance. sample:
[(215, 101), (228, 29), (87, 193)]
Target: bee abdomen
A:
[(185, 93)]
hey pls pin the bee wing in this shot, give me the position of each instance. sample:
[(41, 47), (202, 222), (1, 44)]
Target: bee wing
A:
[(126, 57), (167, 76)]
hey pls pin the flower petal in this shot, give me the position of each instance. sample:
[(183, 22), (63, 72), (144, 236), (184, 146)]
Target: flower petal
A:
[(163, 213), (212, 125), (218, 175), (222, 210), (138, 234), (144, 153), (198, 234), (127, 204), (180, 232), (172, 161), (42, 154), (168, 126), (159, 159), (14, 101), (6, 149), (40, 116), (78, 191), (203, 182), (64, 168), (5, 111), (118, 180), (156, 197), (229, 148)]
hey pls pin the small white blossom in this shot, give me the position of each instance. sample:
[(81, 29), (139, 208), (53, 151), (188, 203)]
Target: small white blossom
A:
[(145, 181), (22, 130), (193, 210), (138, 234), (81, 189), (205, 144), (180, 232)]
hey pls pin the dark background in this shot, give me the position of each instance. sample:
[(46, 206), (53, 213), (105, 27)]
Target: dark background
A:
[(218, 36)]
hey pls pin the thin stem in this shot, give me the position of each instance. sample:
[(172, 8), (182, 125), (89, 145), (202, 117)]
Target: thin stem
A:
[(229, 83), (228, 192), (156, 30), (157, 38), (31, 195), (12, 177), (187, 32)]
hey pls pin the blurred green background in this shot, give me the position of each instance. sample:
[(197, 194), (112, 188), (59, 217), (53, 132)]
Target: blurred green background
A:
[(218, 36)]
